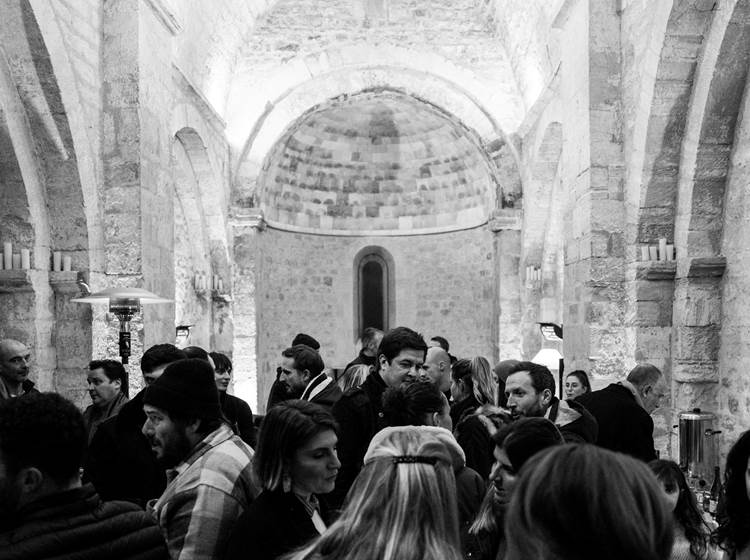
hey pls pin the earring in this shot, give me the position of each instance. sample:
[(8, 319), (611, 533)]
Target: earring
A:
[(286, 483)]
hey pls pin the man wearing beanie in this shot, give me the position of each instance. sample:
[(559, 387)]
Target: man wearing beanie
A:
[(209, 469)]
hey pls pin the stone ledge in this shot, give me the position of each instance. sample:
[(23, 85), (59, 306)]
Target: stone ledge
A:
[(501, 220), (695, 372), (64, 282), (656, 270), (12, 281), (707, 267)]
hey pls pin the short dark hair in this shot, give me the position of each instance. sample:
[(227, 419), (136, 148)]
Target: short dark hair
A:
[(525, 437), (159, 355), (442, 342), (307, 340), (541, 377), (305, 358), (407, 404), (287, 427), (196, 352), (45, 431), (221, 361), (114, 371), (733, 532), (398, 339)]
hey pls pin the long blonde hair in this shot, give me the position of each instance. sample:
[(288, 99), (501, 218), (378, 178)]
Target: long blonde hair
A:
[(401, 506), (353, 376)]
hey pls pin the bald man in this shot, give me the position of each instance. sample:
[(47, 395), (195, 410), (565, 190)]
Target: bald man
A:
[(14, 369), (437, 368)]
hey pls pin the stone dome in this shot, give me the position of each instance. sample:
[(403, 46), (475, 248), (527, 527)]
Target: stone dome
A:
[(376, 162)]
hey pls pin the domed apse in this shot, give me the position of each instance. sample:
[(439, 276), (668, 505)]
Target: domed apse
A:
[(376, 162)]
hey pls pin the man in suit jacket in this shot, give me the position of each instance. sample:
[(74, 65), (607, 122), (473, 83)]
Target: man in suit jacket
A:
[(623, 411), (302, 372)]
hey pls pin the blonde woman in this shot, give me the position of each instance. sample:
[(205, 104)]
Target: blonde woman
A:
[(353, 377), (402, 505)]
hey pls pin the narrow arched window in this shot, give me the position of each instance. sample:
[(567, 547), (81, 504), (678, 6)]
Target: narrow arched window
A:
[(374, 289)]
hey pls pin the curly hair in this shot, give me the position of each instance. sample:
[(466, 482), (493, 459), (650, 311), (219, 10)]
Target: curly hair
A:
[(733, 532)]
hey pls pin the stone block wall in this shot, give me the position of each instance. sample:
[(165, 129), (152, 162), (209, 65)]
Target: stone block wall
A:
[(444, 284)]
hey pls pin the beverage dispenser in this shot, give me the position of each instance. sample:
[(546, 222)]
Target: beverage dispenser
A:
[(698, 447)]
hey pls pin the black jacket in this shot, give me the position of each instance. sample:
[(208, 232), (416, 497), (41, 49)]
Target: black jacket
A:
[(576, 424), (120, 463), (328, 396), (274, 524), (359, 413), (77, 524), (240, 417), (362, 359), (624, 425)]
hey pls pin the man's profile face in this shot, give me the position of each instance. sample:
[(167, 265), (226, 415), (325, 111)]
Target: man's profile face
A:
[(652, 395), (101, 389), (14, 361), (294, 379), (168, 439), (523, 400), (436, 368), (405, 366), (154, 374)]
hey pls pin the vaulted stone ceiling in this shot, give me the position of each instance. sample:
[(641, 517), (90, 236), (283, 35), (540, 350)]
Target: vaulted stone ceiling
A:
[(380, 160)]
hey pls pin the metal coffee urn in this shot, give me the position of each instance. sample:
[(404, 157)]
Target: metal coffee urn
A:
[(698, 447)]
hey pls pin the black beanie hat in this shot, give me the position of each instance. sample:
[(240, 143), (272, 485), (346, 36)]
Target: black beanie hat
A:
[(188, 388), (307, 340)]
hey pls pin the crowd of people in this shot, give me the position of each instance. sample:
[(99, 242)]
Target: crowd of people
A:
[(410, 453)]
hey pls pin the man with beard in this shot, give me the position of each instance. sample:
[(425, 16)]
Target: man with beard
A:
[(530, 389), (45, 511), (302, 373), (209, 469), (107, 381), (14, 369)]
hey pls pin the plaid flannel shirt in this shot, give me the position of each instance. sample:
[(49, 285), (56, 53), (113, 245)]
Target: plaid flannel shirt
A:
[(206, 494)]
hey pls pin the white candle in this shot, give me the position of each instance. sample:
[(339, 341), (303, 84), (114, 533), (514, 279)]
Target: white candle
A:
[(215, 282), (653, 252), (644, 252), (221, 286), (57, 261), (67, 262), (25, 259), (16, 261), (662, 249), (670, 252), (7, 255)]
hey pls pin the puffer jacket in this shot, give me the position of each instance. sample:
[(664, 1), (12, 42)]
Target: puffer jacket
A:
[(77, 524)]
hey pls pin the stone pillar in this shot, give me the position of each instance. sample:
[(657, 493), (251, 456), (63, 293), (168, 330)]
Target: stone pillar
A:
[(249, 384), (506, 224), (594, 300), (72, 340)]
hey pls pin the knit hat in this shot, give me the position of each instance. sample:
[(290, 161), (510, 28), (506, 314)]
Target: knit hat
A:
[(186, 387)]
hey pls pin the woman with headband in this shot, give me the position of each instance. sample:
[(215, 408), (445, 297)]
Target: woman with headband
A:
[(402, 504)]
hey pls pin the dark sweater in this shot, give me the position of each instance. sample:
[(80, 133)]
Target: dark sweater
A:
[(275, 523), (240, 417), (76, 524)]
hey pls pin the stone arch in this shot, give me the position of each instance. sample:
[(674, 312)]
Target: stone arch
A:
[(380, 256), (45, 151), (698, 362)]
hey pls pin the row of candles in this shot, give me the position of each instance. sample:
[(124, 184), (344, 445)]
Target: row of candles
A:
[(200, 282), (662, 252), (22, 259)]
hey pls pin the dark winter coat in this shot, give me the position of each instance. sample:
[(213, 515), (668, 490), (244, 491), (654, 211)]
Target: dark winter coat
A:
[(239, 416), (624, 425), (327, 397), (274, 524), (359, 413), (363, 359), (76, 524), (120, 463), (576, 424)]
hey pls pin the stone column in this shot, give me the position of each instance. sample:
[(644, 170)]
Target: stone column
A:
[(249, 384), (506, 224)]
